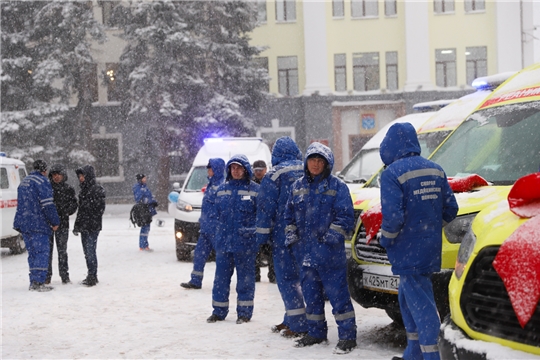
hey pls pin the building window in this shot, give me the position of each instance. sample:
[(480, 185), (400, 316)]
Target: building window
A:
[(261, 11), (113, 92), (364, 8), (443, 6), (288, 75), (476, 58), (338, 8), (475, 5), (285, 10), (390, 7), (107, 147), (366, 71), (106, 11), (340, 72), (445, 67), (392, 70), (262, 62)]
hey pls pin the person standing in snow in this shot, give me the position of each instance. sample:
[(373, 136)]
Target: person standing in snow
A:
[(265, 250), (143, 195), (236, 249), (66, 205), (208, 223), (318, 217), (416, 202), (287, 167), (89, 219), (36, 218)]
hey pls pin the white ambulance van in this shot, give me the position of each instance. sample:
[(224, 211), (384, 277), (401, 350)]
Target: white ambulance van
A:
[(12, 171), (185, 203)]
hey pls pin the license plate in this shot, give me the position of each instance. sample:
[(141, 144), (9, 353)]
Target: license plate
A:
[(389, 284)]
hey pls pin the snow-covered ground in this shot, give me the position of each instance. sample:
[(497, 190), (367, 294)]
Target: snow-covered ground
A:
[(138, 310)]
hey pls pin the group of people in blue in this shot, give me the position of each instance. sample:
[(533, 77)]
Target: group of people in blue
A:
[(43, 209), (302, 211)]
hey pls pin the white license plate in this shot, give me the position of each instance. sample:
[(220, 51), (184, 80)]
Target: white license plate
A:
[(389, 284)]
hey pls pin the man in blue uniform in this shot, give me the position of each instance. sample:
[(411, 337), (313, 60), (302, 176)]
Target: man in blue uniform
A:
[(319, 216), (36, 218), (143, 195), (208, 223), (416, 202), (236, 248), (287, 167)]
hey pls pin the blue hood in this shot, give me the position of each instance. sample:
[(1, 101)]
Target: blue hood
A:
[(400, 141), (324, 151), (243, 160), (285, 149), (218, 167)]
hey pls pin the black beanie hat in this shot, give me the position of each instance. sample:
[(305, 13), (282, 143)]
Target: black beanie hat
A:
[(40, 165), (139, 177)]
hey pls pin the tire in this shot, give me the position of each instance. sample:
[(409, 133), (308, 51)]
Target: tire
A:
[(18, 246), (183, 253), (395, 316)]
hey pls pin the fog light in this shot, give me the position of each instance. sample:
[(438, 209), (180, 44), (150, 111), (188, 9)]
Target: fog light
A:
[(179, 235)]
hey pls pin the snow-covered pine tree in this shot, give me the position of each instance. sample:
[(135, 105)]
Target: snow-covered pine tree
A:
[(190, 72), (45, 60)]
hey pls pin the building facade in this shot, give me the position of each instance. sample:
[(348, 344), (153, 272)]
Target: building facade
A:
[(339, 70)]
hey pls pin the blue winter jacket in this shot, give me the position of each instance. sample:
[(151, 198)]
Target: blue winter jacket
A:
[(319, 215), (143, 195), (36, 211), (236, 204), (274, 192), (208, 220), (416, 201)]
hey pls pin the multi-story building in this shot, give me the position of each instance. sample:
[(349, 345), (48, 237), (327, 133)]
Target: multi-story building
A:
[(342, 69)]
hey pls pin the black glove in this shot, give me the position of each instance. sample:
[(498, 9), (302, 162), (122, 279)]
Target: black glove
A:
[(155, 204)]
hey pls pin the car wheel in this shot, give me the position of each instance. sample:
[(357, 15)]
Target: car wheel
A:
[(183, 253), (395, 316), (18, 245)]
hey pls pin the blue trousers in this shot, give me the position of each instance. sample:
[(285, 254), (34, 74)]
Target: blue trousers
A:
[(37, 245), (226, 263), (420, 317), (288, 281), (316, 282), (200, 256), (143, 236), (61, 236), (89, 243)]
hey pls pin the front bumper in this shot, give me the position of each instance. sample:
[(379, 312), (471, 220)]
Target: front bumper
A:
[(189, 231), (382, 300), (454, 344)]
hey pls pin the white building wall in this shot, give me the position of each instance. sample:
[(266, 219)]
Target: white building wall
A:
[(509, 45), (315, 48), (418, 55)]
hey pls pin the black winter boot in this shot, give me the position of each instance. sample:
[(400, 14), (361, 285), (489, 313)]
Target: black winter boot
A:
[(90, 281), (309, 340)]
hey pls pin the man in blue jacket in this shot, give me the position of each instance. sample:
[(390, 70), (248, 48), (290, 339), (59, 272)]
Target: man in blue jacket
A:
[(143, 195), (416, 202), (236, 248), (287, 167), (208, 223), (318, 217), (36, 218)]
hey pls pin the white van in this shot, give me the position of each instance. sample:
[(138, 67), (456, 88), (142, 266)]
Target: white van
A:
[(12, 171), (185, 203)]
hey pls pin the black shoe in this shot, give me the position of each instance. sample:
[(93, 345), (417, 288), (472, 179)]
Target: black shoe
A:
[(39, 287), (66, 281), (345, 346), (309, 340), (47, 281), (397, 358), (90, 281), (272, 280), (278, 328), (258, 278), (213, 318), (190, 285), (242, 319)]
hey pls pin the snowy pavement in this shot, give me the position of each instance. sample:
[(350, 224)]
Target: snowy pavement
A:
[(138, 310)]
